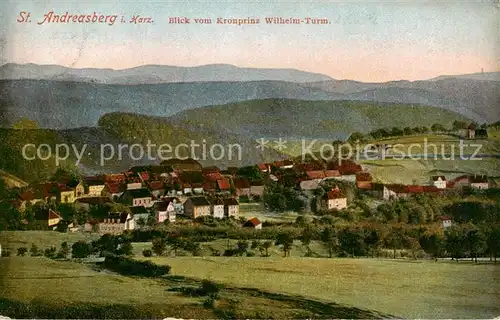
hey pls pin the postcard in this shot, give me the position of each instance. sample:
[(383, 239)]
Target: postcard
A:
[(249, 159)]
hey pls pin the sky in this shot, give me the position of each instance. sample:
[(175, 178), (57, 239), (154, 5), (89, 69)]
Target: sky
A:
[(371, 41)]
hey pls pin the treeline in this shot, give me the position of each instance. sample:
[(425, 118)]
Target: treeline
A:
[(408, 131)]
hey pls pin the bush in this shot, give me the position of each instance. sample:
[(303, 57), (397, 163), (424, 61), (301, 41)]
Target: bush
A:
[(147, 253), (127, 266), (34, 251), (22, 251), (80, 249), (5, 253), (50, 252), (250, 254)]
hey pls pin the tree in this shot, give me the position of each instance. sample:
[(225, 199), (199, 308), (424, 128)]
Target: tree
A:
[(455, 242), (330, 240), (255, 245), (356, 137), (211, 290), (493, 241), (432, 244), (475, 242), (395, 240), (34, 251), (407, 131), (147, 253), (64, 251), (373, 241), (126, 249), (457, 125), (266, 245), (286, 241), (80, 249), (159, 246), (395, 131), (242, 247), (22, 251), (50, 252), (437, 127)]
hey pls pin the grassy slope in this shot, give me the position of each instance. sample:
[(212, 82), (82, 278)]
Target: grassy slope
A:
[(414, 290), (406, 171), (57, 284), (297, 118), (402, 288)]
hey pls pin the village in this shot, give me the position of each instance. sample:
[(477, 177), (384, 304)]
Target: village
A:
[(184, 189)]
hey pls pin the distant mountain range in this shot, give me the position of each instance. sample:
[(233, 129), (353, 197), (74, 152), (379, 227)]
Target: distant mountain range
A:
[(153, 74), (60, 98)]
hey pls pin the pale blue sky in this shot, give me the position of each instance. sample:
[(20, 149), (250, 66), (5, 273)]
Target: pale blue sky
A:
[(366, 41)]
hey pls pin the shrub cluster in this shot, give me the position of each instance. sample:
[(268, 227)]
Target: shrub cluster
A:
[(127, 266)]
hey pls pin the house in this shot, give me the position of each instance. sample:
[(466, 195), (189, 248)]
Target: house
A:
[(113, 190), (94, 186), (231, 208), (26, 198), (165, 210), (195, 207), (210, 186), (132, 185), (253, 223), (242, 187), (471, 131), (140, 214), (256, 188), (114, 224), (178, 205), (223, 185), (309, 185), (217, 207), (47, 218), (66, 194), (331, 173), (363, 180), (333, 200), (315, 175), (480, 182), (86, 202), (394, 191), (284, 164), (439, 182), (157, 188), (460, 182), (264, 167), (447, 221), (137, 197), (197, 188)]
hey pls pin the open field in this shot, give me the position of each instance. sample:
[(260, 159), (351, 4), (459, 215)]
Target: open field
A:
[(43, 239), (257, 210), (419, 171), (401, 288), (65, 289)]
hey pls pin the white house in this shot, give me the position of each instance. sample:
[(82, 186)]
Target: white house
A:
[(439, 182), (447, 222), (165, 210), (217, 208)]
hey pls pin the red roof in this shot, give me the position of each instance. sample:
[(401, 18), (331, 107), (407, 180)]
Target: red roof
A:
[(241, 183), (156, 185), (415, 189), (213, 176), (223, 184), (432, 189), (114, 187), (253, 222), (263, 166), (144, 175), (332, 173), (210, 186), (317, 174), (335, 193), (365, 185), (363, 176), (446, 218)]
